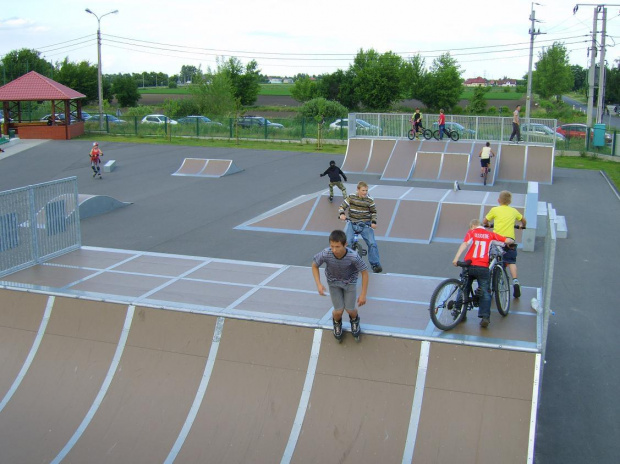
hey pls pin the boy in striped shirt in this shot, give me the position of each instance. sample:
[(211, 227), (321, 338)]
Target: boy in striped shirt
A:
[(342, 268)]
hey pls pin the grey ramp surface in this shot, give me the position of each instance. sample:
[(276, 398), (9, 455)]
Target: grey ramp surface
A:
[(199, 167), (93, 205), (246, 404)]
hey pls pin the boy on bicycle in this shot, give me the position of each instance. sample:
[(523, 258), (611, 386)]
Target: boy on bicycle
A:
[(342, 267), (477, 242), (363, 221), (485, 158), (416, 122), (504, 217)]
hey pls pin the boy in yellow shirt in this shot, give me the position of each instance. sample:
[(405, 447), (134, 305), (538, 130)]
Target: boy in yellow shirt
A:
[(504, 218)]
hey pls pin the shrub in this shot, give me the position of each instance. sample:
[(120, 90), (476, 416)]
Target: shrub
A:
[(321, 106)]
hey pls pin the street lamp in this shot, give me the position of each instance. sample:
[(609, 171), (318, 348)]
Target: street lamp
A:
[(99, 84)]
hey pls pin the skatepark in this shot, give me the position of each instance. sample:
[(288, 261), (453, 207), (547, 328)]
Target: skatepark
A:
[(186, 326)]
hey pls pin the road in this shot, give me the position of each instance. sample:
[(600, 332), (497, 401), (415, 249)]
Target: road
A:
[(611, 120)]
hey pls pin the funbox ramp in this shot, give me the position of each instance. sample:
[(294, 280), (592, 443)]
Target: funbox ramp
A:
[(204, 167)]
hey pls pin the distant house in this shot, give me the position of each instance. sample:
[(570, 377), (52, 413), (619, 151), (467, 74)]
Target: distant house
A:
[(507, 82), (287, 80), (275, 80), (476, 82)]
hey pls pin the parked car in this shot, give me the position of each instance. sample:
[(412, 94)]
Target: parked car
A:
[(157, 119), (361, 126), (200, 119), (257, 121), (109, 117), (455, 126), (539, 133), (578, 131)]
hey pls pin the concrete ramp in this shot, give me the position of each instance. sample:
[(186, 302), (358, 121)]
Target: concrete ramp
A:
[(357, 156), (199, 167), (94, 205), (249, 371)]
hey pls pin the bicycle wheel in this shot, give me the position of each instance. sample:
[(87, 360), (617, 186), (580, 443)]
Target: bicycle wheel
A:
[(447, 309), (436, 135), (454, 135), (411, 135), (485, 176), (427, 133), (501, 289)]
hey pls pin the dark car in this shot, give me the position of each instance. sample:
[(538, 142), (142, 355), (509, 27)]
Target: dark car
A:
[(200, 119), (257, 121), (110, 118)]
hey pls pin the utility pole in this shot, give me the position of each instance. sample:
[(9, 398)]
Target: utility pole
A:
[(533, 33), (600, 108), (591, 73)]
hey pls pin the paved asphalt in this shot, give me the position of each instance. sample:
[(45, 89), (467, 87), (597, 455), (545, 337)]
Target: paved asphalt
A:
[(579, 407)]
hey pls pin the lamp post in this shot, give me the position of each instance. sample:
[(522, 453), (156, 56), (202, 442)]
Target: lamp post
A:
[(99, 83)]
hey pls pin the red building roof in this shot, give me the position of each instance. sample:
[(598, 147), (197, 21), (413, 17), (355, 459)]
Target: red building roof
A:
[(34, 87)]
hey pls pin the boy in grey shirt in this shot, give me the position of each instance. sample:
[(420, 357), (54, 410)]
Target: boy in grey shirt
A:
[(342, 267)]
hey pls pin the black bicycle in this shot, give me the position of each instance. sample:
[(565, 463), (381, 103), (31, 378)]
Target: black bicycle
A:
[(454, 297), (426, 133), (451, 134), (357, 242)]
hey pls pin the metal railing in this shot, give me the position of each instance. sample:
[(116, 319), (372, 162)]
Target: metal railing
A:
[(37, 223)]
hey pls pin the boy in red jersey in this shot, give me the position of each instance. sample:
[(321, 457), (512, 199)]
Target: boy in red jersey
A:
[(477, 242)]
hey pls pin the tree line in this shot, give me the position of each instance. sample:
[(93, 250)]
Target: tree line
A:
[(373, 82)]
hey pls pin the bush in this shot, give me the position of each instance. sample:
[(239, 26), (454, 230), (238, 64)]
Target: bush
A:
[(321, 106)]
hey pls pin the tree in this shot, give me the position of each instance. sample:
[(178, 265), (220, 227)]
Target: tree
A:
[(580, 77), (377, 79), (443, 85), (478, 103), (612, 85), (125, 89), (553, 75), (412, 77), (187, 73), (16, 63), (79, 76), (304, 89), (214, 94), (322, 107), (245, 82)]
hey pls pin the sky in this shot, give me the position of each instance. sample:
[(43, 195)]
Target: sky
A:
[(487, 38)]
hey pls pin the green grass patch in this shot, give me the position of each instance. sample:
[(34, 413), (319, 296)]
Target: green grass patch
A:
[(280, 90), (222, 143), (611, 168), (493, 95), (164, 91)]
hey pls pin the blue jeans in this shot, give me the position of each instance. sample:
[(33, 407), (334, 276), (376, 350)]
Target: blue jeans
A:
[(368, 234), (483, 276), (442, 128)]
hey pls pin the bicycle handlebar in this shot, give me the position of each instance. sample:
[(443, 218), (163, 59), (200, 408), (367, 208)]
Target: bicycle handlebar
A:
[(517, 226)]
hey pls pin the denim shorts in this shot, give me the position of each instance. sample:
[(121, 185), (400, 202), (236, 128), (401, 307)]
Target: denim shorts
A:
[(510, 256), (343, 297)]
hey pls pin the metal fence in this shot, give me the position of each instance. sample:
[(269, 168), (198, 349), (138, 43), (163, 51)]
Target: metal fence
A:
[(37, 223)]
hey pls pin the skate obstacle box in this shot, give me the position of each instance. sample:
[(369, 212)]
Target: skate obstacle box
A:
[(109, 166), (201, 167)]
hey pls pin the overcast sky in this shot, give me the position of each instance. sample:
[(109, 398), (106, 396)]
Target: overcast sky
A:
[(487, 38)]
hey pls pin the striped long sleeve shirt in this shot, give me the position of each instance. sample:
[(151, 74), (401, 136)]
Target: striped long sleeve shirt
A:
[(361, 209)]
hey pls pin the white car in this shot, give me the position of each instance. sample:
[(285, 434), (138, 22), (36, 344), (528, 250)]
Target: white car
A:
[(362, 127), (157, 119), (539, 133)]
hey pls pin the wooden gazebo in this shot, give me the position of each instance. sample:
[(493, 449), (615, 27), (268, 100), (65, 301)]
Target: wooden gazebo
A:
[(35, 87)]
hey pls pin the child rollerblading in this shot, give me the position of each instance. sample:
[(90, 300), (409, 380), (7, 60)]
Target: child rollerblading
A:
[(95, 160), (334, 174), (342, 268)]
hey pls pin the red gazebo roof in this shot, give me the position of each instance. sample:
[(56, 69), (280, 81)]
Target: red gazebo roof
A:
[(34, 87)]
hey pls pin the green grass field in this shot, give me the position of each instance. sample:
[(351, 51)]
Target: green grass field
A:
[(285, 90)]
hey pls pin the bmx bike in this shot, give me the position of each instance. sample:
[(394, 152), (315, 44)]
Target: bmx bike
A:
[(454, 297), (426, 133), (451, 134)]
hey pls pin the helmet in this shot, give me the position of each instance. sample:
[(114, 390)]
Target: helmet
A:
[(95, 144), (332, 163)]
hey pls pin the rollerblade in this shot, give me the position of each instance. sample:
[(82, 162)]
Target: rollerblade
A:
[(331, 198), (355, 328), (338, 330)]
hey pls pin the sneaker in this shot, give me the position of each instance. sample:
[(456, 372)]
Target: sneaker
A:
[(377, 269), (517, 290), (484, 322), (481, 175)]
